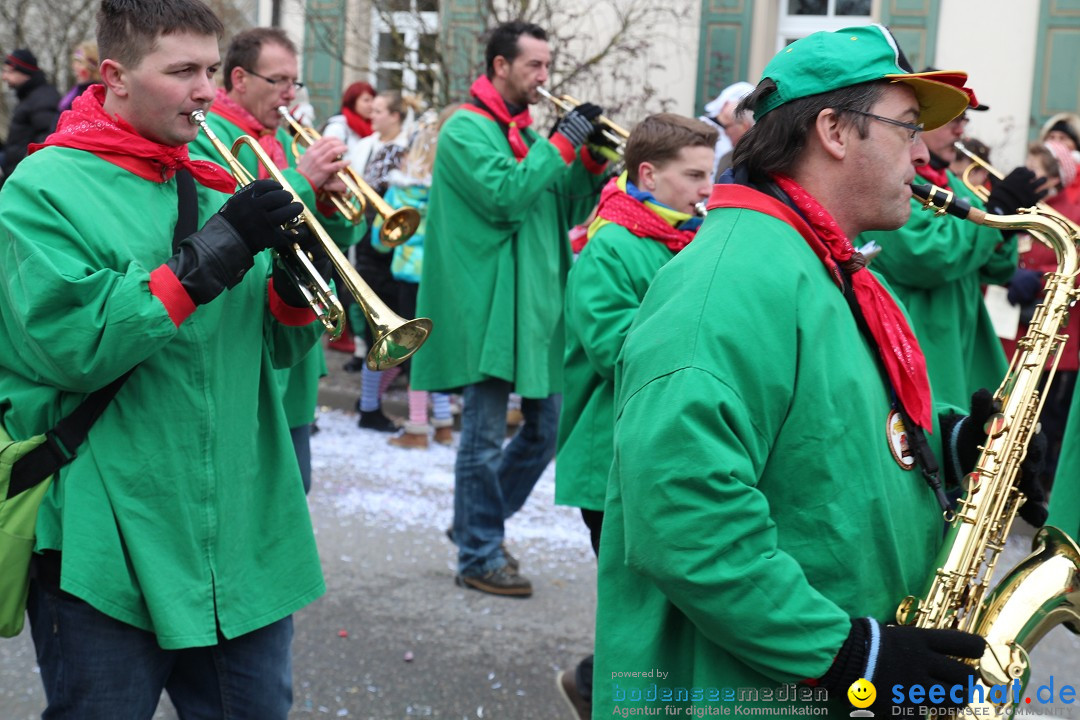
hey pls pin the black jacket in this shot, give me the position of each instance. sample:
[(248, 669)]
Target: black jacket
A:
[(32, 120)]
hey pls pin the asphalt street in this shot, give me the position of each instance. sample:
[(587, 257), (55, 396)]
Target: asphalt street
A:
[(395, 638)]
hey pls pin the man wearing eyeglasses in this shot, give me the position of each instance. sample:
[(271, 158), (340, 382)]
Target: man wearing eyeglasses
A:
[(260, 74), (764, 515), (938, 265)]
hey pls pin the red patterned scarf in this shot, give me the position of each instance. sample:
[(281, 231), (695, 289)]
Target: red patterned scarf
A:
[(620, 208), (359, 124), (86, 126), (938, 177), (896, 344), (486, 93), (235, 113)]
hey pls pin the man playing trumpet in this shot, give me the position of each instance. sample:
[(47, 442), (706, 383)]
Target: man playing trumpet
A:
[(260, 75), (165, 545), (496, 255)]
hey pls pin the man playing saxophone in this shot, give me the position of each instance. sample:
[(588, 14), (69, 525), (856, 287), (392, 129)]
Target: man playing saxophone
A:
[(259, 76), (163, 544), (765, 510)]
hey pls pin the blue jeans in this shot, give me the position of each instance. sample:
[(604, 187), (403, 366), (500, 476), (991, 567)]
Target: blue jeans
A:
[(97, 668), (301, 440), (492, 483)]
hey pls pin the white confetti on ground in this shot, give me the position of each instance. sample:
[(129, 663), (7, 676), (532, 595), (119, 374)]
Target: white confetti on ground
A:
[(363, 476)]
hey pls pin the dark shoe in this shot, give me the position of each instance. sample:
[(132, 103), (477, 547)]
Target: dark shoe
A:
[(444, 435), (503, 581), (354, 364), (511, 561), (567, 687), (375, 420)]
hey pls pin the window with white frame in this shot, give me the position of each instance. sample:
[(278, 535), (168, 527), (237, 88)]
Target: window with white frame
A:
[(405, 46), (799, 18)]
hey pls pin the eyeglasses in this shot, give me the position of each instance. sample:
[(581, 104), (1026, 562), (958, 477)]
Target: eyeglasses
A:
[(915, 128), (295, 84)]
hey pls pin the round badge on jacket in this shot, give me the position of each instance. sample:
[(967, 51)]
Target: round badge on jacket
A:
[(898, 441)]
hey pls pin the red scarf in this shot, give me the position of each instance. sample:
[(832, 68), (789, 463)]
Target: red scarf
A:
[(938, 177), (896, 344), (86, 126), (359, 124), (620, 208), (486, 93), (235, 113)]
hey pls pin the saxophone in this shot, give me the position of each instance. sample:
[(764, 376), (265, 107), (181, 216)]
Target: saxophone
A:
[(1044, 589)]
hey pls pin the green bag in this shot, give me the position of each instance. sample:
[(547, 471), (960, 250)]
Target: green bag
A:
[(18, 515)]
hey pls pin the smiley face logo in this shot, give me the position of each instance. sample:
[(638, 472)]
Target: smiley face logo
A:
[(862, 693)]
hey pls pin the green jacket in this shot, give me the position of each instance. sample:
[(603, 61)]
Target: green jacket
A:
[(603, 293), (183, 512), (754, 505), (300, 383), (496, 254), (936, 266)]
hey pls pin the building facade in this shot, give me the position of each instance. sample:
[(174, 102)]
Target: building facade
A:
[(1021, 56)]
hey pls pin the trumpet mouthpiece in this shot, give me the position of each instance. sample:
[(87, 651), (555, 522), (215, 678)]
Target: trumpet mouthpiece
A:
[(196, 117)]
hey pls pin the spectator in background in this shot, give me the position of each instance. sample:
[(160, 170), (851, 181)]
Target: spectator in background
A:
[(351, 126), (713, 109), (34, 117), (84, 65), (736, 124)]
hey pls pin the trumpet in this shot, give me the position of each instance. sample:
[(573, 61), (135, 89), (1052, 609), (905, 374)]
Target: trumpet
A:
[(613, 133), (398, 225), (395, 339), (982, 193)]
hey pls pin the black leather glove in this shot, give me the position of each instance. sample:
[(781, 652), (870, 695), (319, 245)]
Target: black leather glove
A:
[(1019, 189), (257, 213), (961, 436), (905, 656), (577, 125), (1024, 286), (1031, 482), (215, 258), (286, 289)]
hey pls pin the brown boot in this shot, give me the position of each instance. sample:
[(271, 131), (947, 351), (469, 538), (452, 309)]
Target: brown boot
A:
[(410, 440), (444, 435)]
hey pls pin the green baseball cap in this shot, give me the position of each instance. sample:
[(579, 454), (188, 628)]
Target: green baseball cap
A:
[(827, 61)]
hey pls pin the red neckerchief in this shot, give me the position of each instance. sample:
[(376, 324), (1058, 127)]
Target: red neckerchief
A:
[(86, 126), (938, 177), (620, 208), (896, 344), (235, 113), (359, 124), (486, 93)]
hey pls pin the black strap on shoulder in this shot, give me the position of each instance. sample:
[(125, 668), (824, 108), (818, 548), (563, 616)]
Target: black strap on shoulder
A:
[(187, 220), (62, 441)]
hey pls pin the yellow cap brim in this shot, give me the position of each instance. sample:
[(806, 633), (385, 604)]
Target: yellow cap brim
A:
[(939, 101)]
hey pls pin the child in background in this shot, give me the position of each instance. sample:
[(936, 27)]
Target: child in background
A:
[(409, 187)]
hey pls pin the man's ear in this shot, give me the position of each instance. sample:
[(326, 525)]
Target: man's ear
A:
[(832, 133), (114, 77), (501, 66), (646, 176)]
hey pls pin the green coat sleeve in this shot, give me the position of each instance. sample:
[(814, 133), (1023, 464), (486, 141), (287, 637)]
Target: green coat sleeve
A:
[(501, 188), (795, 629), (79, 316), (604, 292)]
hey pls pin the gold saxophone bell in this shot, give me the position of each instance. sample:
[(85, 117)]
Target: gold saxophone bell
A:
[(613, 133), (1043, 591), (398, 225), (395, 339)]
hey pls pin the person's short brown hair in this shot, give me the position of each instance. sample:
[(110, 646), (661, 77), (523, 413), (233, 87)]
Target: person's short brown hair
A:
[(127, 30), (658, 139), (245, 48)]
